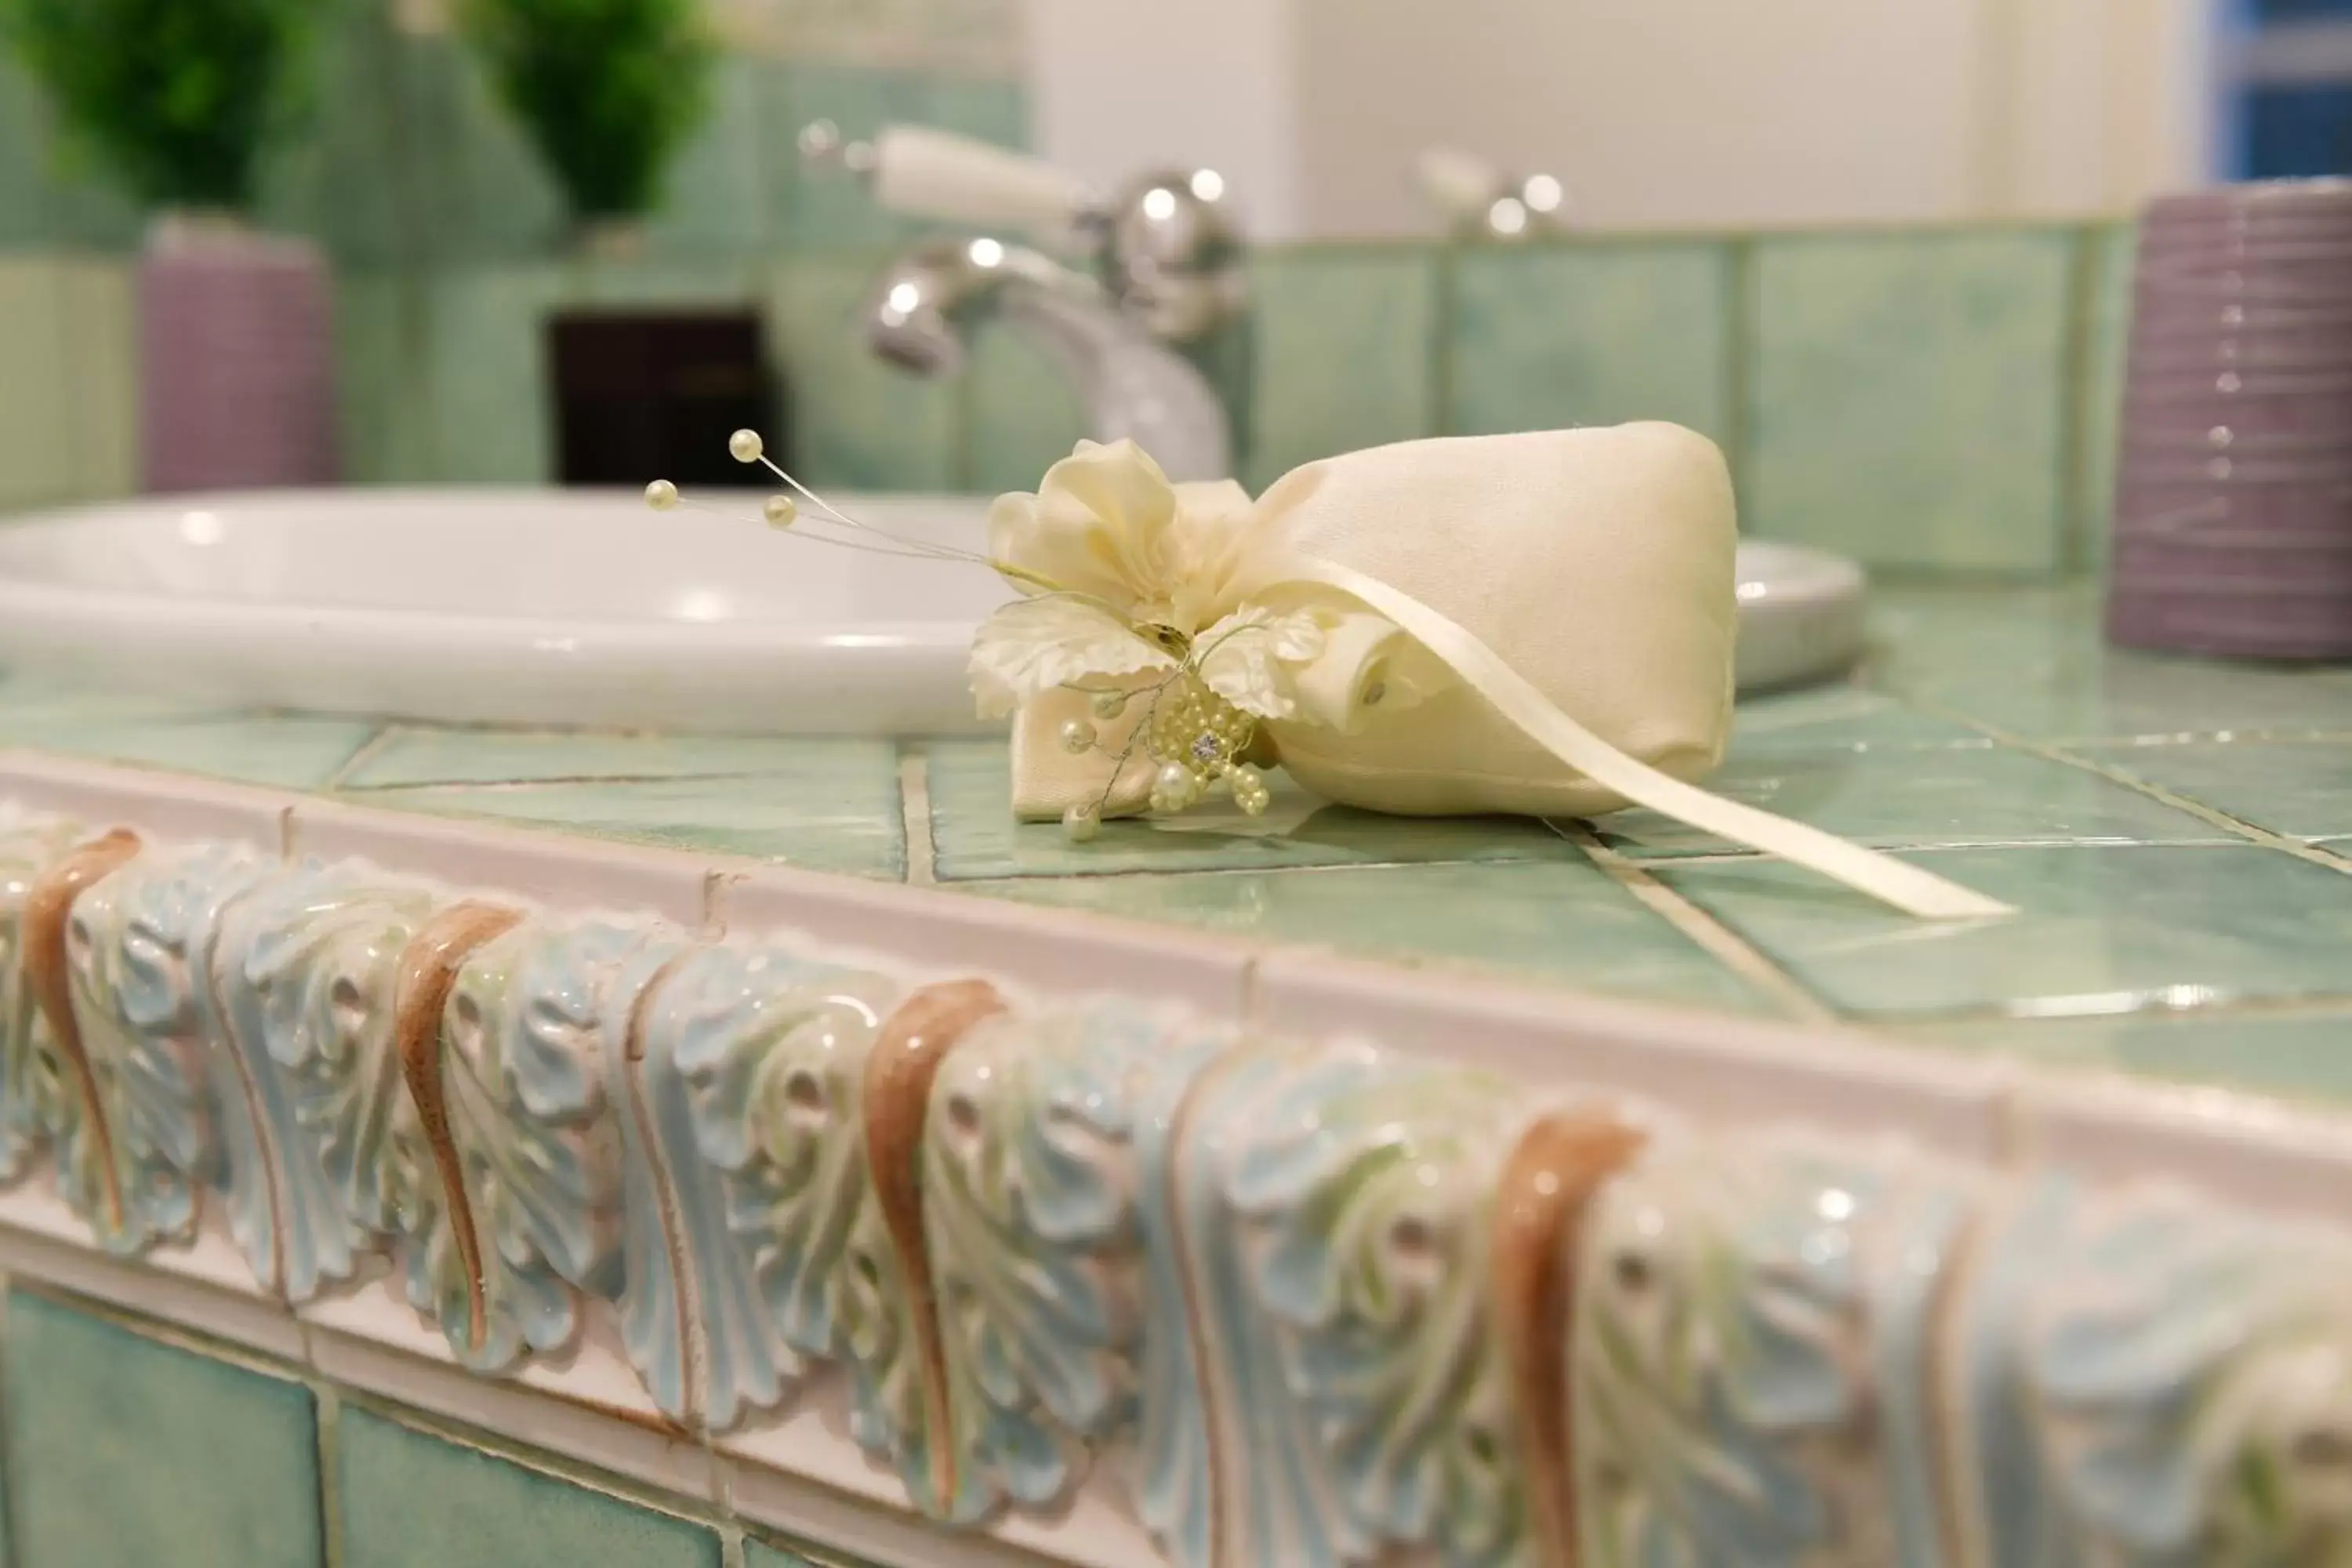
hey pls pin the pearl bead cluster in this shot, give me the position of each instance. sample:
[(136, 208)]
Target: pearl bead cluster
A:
[(1195, 735)]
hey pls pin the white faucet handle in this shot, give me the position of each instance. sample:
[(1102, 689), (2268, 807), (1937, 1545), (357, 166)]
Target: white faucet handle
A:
[(955, 179)]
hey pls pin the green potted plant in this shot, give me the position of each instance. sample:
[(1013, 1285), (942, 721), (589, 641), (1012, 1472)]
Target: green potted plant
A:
[(606, 91), (177, 100)]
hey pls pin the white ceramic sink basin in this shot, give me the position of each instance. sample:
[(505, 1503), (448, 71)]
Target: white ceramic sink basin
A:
[(583, 608)]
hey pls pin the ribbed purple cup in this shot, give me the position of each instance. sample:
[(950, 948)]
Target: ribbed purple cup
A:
[(237, 380), (2233, 530)]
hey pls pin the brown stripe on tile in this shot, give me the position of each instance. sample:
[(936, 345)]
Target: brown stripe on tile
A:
[(906, 1059), (429, 970), (1540, 1201)]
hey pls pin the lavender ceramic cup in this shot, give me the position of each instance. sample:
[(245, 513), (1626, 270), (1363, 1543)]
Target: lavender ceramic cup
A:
[(2232, 531)]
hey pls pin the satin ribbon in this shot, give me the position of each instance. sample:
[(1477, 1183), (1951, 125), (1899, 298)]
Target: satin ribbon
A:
[(1883, 877)]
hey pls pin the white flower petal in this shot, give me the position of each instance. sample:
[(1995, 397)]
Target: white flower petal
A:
[(1252, 657), (1032, 646)]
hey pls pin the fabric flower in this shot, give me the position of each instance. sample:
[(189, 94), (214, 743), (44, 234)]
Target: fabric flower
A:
[(1125, 573)]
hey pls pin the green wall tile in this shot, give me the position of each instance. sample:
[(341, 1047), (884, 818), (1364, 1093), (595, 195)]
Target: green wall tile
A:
[(1021, 414), (1548, 336), (1345, 339), (1906, 394), (383, 376), (486, 376), (826, 208), (420, 756), (2096, 929), (855, 422), (101, 314), (128, 1452), (412, 1500), (341, 171), (716, 194), (2107, 330), (26, 163), (1562, 920), (759, 1554), (37, 383), (488, 196)]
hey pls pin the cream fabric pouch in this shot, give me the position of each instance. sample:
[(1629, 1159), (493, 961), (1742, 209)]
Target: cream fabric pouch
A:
[(1598, 563), (1540, 624)]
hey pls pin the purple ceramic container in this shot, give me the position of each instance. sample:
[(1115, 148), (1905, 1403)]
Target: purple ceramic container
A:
[(2232, 531), (238, 383)]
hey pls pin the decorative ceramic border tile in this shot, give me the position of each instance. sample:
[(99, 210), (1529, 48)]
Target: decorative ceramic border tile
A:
[(1094, 1267)]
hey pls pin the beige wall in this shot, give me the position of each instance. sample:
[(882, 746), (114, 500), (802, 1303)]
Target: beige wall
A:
[(1658, 113)]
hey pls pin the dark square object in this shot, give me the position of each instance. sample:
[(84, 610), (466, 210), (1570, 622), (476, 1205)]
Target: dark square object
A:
[(643, 396)]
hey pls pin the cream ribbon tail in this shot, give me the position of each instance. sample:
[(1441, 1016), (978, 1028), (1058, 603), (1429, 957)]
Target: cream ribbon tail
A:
[(1883, 877)]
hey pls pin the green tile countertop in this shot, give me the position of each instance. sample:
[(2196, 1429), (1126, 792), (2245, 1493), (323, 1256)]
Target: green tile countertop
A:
[(2177, 836)]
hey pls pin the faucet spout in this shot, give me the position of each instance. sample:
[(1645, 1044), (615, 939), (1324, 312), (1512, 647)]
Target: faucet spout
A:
[(1131, 386)]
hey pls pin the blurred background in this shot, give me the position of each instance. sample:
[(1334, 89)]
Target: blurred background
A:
[(578, 240)]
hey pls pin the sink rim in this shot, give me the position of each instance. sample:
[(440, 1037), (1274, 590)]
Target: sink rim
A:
[(770, 674)]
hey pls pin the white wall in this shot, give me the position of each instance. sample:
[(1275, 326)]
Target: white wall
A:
[(1657, 114)]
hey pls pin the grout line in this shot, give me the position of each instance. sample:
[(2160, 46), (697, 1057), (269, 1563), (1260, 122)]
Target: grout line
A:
[(164, 1331), (435, 786), (1720, 942), (522, 1453), (915, 805), (366, 752), (2237, 826), (731, 1546)]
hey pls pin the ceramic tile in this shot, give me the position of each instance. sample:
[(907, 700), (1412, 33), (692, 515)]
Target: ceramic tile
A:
[(36, 437), (1838, 718), (286, 752), (759, 1554), (494, 197), (1928, 798), (2033, 663), (1591, 334), (2298, 1056), (1021, 415), (385, 416), (1565, 921), (2302, 790), (2097, 930), (426, 756), (123, 1449), (480, 1510), (486, 380), (855, 422), (715, 194), (837, 810), (2107, 330), (101, 315), (1904, 402), (822, 207), (26, 218), (1345, 337), (975, 836), (344, 180)]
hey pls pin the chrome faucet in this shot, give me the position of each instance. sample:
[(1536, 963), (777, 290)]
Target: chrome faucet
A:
[(1160, 266)]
